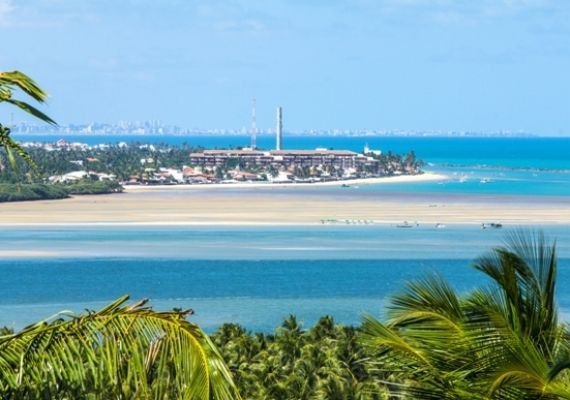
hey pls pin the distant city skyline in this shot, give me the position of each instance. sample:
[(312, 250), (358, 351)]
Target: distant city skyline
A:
[(386, 65), (151, 128)]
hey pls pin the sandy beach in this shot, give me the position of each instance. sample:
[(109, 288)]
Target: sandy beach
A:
[(425, 177), (206, 205)]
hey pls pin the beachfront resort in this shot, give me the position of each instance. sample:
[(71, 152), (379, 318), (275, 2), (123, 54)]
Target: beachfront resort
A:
[(149, 164)]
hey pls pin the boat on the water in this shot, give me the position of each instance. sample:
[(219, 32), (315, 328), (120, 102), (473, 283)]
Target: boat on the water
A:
[(406, 224), (491, 225)]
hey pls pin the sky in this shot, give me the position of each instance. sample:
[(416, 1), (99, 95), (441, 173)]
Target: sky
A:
[(424, 65)]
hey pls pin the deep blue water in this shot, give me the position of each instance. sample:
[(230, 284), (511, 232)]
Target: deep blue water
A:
[(257, 294), (254, 276)]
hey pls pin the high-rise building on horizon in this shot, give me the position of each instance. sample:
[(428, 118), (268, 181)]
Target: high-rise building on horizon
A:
[(279, 129)]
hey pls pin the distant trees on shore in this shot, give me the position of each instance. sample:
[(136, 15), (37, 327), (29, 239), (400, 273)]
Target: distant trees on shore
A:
[(140, 161)]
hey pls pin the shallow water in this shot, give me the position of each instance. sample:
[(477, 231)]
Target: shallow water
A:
[(257, 276), (254, 276)]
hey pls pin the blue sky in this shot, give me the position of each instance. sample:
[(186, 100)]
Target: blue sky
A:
[(479, 65)]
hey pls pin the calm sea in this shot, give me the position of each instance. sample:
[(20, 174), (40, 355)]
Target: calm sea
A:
[(257, 276), (254, 276), (509, 166)]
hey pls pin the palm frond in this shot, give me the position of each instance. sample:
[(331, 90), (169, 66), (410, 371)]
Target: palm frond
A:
[(23, 82), (120, 351), (11, 147), (16, 80), (31, 110), (499, 342), (427, 300)]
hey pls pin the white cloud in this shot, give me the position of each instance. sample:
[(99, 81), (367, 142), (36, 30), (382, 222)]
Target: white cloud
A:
[(467, 12), (480, 6), (6, 8)]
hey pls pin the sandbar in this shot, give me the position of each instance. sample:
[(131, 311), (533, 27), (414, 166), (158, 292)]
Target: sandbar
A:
[(188, 205)]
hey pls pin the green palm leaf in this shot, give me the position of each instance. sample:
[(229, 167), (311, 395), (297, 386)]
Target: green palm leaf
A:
[(120, 351), (500, 342), (16, 80)]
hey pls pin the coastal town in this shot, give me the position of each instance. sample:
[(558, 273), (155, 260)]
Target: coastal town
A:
[(158, 165), (65, 168)]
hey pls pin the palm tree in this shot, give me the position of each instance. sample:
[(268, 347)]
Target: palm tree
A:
[(18, 81), (501, 342), (122, 352)]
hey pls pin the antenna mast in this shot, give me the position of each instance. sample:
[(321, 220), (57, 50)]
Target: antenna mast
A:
[(253, 125)]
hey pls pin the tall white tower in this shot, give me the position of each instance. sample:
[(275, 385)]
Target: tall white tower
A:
[(253, 143), (279, 129)]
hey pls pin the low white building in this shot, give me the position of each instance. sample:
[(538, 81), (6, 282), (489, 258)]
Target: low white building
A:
[(69, 177)]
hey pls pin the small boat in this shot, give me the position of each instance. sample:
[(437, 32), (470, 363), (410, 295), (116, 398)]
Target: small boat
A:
[(345, 185), (405, 224), (492, 225), (440, 226)]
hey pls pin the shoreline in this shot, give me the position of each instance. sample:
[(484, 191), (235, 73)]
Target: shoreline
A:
[(196, 205), (506, 226), (424, 177)]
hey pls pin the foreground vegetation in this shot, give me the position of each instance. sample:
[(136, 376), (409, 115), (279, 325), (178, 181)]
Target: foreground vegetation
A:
[(18, 82), (324, 362), (120, 352), (499, 342), (503, 341)]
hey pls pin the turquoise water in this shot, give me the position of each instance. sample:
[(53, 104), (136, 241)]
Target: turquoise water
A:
[(257, 276), (503, 166), (509, 152), (254, 276)]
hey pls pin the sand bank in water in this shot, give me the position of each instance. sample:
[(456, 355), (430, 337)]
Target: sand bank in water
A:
[(187, 205)]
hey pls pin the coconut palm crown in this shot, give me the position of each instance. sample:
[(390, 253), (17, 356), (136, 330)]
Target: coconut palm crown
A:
[(10, 83), (120, 352), (500, 342)]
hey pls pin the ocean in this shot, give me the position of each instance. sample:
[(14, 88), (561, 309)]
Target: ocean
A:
[(525, 166), (256, 276)]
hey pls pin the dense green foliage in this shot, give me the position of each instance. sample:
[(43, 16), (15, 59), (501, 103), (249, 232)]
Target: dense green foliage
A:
[(123, 162), (40, 191), (86, 186), (31, 191), (500, 342), (120, 352), (324, 362), (140, 161)]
